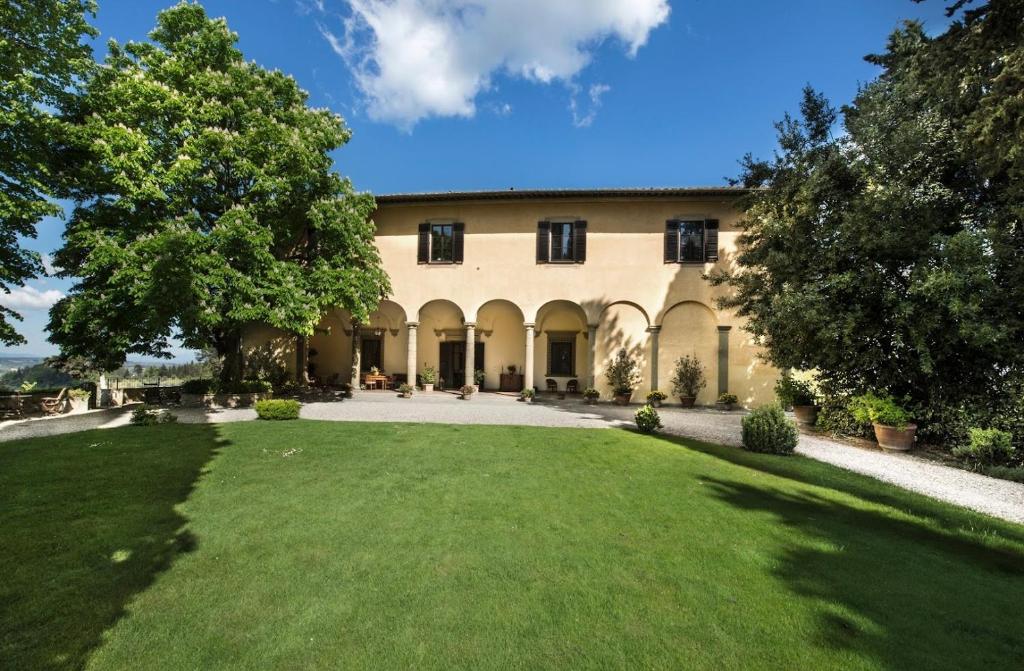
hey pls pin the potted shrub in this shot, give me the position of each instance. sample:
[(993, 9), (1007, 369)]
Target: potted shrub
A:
[(526, 395), (429, 376), (478, 379), (590, 396), (688, 379), (78, 399), (647, 419), (512, 368), (726, 401), (799, 395), (405, 391), (466, 392), (655, 398), (623, 377), (893, 428)]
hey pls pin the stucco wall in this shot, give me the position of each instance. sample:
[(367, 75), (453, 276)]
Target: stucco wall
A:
[(623, 288)]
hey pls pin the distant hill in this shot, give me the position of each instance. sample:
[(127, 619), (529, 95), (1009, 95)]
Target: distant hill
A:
[(16, 361)]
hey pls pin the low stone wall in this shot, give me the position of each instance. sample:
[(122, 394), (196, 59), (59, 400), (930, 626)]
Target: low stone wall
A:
[(222, 400)]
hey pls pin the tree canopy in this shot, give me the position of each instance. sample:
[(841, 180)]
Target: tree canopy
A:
[(206, 201), (41, 58), (891, 256)]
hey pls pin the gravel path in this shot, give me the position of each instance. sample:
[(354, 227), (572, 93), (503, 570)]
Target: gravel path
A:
[(999, 498)]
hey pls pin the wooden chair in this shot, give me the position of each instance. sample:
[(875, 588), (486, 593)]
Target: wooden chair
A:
[(572, 387), (552, 385), (54, 405)]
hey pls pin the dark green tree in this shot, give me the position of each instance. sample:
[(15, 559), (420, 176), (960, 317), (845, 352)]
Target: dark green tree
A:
[(891, 256), (41, 58), (207, 202)]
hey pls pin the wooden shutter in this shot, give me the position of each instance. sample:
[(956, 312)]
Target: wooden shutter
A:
[(457, 245), (423, 251), (543, 241), (579, 231), (711, 240), (672, 241)]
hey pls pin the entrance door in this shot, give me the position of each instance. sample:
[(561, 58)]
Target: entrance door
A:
[(370, 355), (452, 368)]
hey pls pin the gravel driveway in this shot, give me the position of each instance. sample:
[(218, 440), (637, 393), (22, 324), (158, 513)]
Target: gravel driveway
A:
[(999, 498)]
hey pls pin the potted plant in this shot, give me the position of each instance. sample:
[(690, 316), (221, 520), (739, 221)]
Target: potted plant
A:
[(512, 368), (688, 379), (526, 395), (79, 399), (405, 391), (655, 398), (590, 396), (623, 377), (726, 401), (429, 376), (466, 392), (893, 428), (799, 395), (478, 379)]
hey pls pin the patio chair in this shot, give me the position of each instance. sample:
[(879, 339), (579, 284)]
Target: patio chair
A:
[(572, 387), (54, 405), (552, 385)]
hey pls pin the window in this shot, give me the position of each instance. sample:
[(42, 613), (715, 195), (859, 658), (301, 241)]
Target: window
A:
[(441, 236), (691, 241), (561, 355), (561, 242), (441, 243)]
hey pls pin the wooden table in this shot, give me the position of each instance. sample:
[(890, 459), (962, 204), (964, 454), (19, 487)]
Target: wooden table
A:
[(374, 380), (511, 382)]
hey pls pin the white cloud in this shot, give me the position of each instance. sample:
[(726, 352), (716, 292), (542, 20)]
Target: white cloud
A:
[(48, 266), (414, 59), (582, 119), (30, 298)]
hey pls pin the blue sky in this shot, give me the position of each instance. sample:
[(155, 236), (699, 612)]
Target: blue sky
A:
[(452, 95)]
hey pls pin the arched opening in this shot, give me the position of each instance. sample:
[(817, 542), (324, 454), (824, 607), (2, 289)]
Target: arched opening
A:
[(500, 332), (560, 345), (622, 325), (441, 342), (690, 328)]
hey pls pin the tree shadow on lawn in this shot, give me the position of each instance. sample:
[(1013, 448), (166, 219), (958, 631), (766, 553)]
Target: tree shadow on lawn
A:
[(920, 585), (87, 521)]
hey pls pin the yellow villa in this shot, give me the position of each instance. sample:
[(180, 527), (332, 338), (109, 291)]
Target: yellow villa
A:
[(551, 282)]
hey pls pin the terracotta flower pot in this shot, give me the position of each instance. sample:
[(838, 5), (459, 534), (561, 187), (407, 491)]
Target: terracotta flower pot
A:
[(892, 439), (723, 406), (590, 400), (622, 399), (806, 414), (687, 401)]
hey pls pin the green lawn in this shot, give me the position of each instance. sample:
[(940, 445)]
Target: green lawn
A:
[(299, 545)]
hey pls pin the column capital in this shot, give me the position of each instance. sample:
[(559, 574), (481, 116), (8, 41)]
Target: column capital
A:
[(470, 325), (529, 325), (723, 329), (412, 325), (592, 327), (655, 329)]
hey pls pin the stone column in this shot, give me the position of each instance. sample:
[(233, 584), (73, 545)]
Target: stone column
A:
[(357, 353), (654, 331), (410, 360), (470, 353), (591, 348), (723, 359), (528, 365)]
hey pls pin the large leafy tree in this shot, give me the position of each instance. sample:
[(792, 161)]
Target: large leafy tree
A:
[(41, 57), (891, 256), (206, 202)]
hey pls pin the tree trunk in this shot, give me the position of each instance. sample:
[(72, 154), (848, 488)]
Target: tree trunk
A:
[(229, 347)]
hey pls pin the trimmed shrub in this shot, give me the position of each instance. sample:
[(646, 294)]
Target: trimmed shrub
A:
[(767, 429), (728, 399), (143, 415), (591, 393), (987, 447), (199, 387), (277, 409), (834, 417), (647, 419)]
